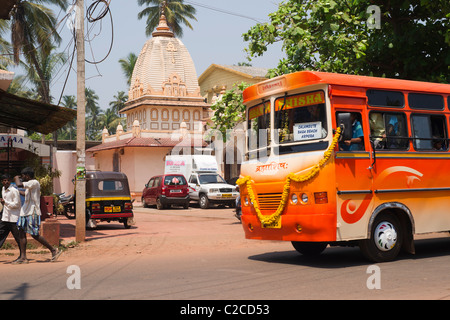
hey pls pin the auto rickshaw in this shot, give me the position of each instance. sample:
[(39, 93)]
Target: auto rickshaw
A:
[(108, 198)]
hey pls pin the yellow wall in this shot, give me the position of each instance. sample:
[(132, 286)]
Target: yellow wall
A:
[(216, 77)]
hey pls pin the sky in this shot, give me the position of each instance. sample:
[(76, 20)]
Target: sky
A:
[(216, 38)]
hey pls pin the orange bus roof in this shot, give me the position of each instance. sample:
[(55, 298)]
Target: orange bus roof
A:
[(305, 78)]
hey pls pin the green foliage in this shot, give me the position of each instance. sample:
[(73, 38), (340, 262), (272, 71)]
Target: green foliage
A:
[(37, 136), (229, 110), (176, 12), (127, 65), (34, 35), (333, 36), (44, 174)]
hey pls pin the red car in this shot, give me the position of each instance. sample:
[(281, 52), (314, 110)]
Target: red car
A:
[(166, 190)]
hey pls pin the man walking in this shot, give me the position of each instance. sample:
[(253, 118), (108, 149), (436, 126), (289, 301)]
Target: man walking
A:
[(30, 215), (11, 211)]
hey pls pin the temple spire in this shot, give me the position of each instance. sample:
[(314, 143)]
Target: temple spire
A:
[(163, 30)]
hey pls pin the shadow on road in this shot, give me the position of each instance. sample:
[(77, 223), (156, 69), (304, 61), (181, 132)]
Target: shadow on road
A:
[(343, 257), (18, 293), (67, 230)]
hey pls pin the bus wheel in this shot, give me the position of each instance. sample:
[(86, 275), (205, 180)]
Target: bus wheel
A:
[(385, 239), (309, 248)]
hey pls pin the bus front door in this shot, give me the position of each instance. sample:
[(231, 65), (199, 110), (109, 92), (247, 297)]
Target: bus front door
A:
[(354, 183)]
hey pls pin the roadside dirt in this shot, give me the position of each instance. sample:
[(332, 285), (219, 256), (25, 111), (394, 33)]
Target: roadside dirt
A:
[(171, 231)]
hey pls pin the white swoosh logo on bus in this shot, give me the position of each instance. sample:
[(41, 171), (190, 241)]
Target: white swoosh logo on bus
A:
[(410, 179)]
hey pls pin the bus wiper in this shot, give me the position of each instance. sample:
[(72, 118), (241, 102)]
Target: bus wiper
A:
[(281, 109), (264, 111)]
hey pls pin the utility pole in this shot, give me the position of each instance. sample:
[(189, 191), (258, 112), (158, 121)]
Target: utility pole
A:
[(80, 190)]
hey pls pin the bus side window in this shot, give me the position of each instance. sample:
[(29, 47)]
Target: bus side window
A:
[(396, 133), (356, 143), (388, 130), (377, 130), (429, 132)]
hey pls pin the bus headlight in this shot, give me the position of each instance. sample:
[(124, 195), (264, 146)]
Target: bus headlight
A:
[(294, 198), (305, 198)]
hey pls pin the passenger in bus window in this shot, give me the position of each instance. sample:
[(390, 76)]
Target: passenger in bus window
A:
[(313, 113), (377, 130), (356, 142), (438, 145), (393, 130), (392, 126), (316, 114)]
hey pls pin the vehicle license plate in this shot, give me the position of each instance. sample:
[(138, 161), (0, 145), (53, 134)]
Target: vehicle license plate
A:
[(175, 191), (112, 209), (226, 195)]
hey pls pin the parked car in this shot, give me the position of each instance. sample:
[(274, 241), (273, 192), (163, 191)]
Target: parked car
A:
[(209, 188), (166, 190)]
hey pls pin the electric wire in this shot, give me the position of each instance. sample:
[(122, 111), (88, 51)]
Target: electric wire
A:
[(70, 67), (225, 11), (93, 20), (89, 16)]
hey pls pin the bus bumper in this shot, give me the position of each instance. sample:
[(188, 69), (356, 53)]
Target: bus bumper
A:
[(305, 227)]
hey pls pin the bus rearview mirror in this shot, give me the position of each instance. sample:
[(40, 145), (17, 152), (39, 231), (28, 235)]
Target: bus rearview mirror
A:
[(344, 122)]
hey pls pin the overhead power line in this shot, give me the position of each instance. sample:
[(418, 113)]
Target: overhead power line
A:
[(226, 11)]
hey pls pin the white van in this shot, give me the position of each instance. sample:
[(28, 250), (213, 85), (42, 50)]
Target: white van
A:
[(206, 185)]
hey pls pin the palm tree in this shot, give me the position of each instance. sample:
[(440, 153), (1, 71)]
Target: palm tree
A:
[(33, 29), (119, 102), (92, 107), (176, 13), (127, 65), (110, 120), (93, 125), (5, 46), (69, 131), (18, 88), (69, 102), (48, 63)]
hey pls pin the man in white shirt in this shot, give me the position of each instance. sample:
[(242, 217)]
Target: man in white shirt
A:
[(30, 215), (11, 210)]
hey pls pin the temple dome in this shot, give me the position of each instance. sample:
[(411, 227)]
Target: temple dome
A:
[(164, 67)]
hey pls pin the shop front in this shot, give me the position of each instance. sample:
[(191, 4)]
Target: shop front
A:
[(16, 149)]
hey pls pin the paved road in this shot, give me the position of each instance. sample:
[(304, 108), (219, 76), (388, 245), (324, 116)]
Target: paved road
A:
[(201, 254)]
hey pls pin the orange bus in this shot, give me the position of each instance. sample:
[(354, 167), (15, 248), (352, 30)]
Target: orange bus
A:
[(334, 159)]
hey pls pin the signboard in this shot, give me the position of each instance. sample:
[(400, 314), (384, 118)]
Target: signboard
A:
[(307, 131), (300, 100), (81, 173), (205, 163), (175, 166), (24, 143), (185, 164)]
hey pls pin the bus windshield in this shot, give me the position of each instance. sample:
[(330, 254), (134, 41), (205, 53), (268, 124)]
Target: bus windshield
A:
[(301, 117), (259, 126)]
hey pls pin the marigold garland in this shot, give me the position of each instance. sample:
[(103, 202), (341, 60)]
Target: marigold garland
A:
[(268, 220)]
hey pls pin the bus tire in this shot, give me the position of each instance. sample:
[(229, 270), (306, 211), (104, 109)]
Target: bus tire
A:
[(386, 237), (309, 248)]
